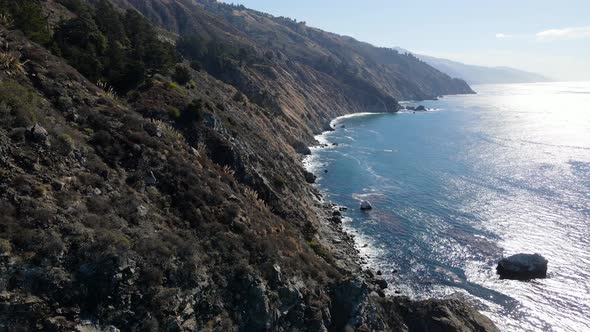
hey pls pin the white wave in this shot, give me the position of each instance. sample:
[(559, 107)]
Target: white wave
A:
[(339, 119)]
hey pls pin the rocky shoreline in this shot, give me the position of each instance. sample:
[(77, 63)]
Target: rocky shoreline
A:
[(455, 313)]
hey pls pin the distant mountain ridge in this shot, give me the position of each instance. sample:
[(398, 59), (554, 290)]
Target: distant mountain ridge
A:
[(474, 74)]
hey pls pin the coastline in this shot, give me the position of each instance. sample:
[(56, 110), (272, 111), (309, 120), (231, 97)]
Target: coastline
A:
[(359, 249), (353, 255)]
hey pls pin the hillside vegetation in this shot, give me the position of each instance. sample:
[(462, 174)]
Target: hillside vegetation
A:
[(150, 175)]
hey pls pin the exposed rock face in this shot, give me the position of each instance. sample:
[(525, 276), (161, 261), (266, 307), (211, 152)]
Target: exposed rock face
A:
[(451, 315), (366, 205), (522, 267)]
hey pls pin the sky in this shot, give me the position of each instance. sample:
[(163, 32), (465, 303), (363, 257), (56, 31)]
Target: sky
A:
[(544, 36)]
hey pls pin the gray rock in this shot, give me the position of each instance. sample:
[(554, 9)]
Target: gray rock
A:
[(381, 283), (37, 133), (142, 211), (366, 205), (309, 177), (336, 219), (449, 315), (522, 267)]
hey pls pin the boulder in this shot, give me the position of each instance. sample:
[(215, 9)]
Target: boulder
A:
[(365, 205), (382, 283), (421, 108), (301, 148), (309, 177), (449, 315), (37, 133), (336, 219), (522, 267)]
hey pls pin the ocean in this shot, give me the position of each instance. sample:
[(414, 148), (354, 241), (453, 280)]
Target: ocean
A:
[(474, 179)]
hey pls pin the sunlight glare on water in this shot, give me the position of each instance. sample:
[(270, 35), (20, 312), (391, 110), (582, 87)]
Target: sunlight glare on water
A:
[(488, 175)]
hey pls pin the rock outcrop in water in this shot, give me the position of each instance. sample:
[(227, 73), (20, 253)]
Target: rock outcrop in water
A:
[(366, 205), (522, 267), (183, 206)]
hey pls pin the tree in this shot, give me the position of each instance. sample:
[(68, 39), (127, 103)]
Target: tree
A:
[(192, 47), (181, 74), (109, 22), (28, 17), (82, 44), (107, 46)]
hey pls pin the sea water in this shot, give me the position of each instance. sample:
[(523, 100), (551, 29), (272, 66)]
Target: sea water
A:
[(474, 179)]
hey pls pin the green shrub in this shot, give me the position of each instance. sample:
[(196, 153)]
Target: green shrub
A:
[(181, 74), (320, 250), (64, 144), (174, 113), (173, 86), (21, 102), (193, 112)]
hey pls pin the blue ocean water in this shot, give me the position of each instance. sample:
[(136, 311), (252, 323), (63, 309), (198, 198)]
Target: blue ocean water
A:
[(457, 188)]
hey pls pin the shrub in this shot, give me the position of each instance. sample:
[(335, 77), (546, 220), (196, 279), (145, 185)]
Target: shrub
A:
[(174, 113), (108, 90), (10, 62), (64, 144), (253, 196), (193, 112), (320, 250), (228, 171), (41, 190), (5, 247), (173, 86), (112, 240), (6, 20), (21, 102), (181, 74), (280, 182)]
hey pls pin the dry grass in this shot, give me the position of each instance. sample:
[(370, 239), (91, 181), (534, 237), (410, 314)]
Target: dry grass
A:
[(6, 20), (253, 196), (169, 131), (201, 149), (10, 62), (228, 171), (107, 89)]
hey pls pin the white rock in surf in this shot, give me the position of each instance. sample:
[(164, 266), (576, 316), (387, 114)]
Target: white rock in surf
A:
[(365, 205)]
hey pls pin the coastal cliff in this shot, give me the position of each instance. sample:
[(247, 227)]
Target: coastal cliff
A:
[(151, 181)]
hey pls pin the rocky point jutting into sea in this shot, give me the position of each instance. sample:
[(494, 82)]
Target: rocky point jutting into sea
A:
[(150, 174)]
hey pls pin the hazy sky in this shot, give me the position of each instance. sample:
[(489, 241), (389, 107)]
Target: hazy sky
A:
[(544, 36)]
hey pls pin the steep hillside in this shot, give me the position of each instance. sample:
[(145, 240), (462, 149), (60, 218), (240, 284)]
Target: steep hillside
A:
[(306, 75), (139, 193)]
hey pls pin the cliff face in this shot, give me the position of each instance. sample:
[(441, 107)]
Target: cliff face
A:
[(180, 207)]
